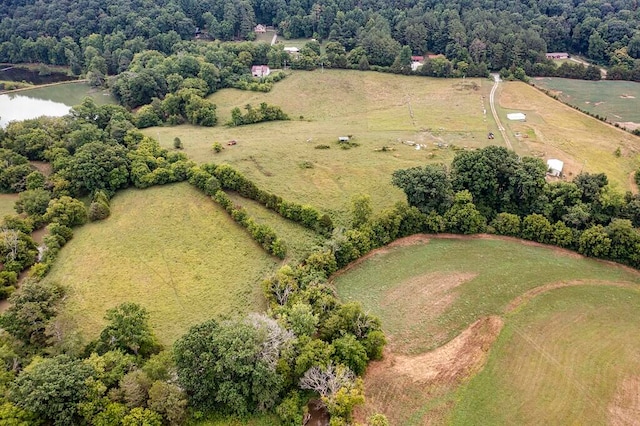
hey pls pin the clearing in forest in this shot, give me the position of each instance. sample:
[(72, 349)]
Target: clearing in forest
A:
[(172, 250), (444, 301), (7, 202), (376, 109)]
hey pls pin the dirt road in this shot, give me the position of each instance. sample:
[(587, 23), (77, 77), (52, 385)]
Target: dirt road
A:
[(496, 80)]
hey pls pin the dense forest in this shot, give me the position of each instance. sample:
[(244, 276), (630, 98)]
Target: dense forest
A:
[(489, 35)]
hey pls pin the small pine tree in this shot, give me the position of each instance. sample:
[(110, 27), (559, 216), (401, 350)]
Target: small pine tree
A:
[(177, 143)]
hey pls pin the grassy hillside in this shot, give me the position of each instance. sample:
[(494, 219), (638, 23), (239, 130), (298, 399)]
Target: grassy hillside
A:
[(300, 240), (477, 278), (377, 109), (426, 294), (443, 115), (170, 249), (616, 100), (555, 130), (564, 358), (6, 204)]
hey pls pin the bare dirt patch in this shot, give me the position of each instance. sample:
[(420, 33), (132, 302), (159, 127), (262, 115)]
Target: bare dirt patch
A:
[(632, 183), (398, 385), (627, 96), (422, 299), (458, 359), (624, 409)]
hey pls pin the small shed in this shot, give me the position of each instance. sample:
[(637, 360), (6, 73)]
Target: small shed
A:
[(343, 138), (416, 62), (260, 28), (554, 167), (517, 116)]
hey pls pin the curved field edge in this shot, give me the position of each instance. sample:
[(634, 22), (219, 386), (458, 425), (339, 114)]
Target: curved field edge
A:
[(564, 357), (170, 249), (427, 293), (412, 386)]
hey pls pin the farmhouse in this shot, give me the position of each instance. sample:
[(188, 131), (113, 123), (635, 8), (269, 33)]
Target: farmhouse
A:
[(416, 62), (557, 55), (260, 70), (517, 116), (554, 167), (260, 29)]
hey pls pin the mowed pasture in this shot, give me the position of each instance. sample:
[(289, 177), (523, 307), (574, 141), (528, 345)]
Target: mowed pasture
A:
[(7, 201), (442, 303), (376, 109), (170, 249), (570, 356), (615, 100), (555, 130)]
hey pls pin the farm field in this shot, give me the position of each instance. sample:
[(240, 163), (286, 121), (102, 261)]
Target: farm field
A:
[(170, 249), (6, 204), (616, 100), (555, 130), (377, 109), (442, 303), (300, 240), (566, 357)]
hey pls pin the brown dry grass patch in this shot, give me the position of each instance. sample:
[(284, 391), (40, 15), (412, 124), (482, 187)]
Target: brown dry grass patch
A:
[(625, 407), (399, 385), (422, 299)]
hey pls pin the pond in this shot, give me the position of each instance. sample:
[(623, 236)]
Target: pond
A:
[(53, 101)]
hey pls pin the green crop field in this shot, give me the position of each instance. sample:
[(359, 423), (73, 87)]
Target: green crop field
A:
[(425, 294), (376, 109), (555, 130), (170, 249), (616, 100), (70, 93), (6, 204), (570, 356)]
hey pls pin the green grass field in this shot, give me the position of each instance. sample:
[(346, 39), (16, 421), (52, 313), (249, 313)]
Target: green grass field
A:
[(377, 109), (425, 294), (300, 240), (491, 273), (555, 130), (6, 204), (567, 357), (70, 94), (170, 249), (616, 100)]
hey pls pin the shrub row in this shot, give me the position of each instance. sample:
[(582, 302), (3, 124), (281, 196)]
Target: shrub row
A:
[(305, 215), (263, 234)]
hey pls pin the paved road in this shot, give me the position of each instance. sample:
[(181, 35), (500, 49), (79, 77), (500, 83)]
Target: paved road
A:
[(496, 79)]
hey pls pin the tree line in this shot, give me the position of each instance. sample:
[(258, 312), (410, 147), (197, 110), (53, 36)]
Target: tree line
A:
[(477, 34)]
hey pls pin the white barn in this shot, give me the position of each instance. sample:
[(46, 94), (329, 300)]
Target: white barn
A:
[(554, 167)]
